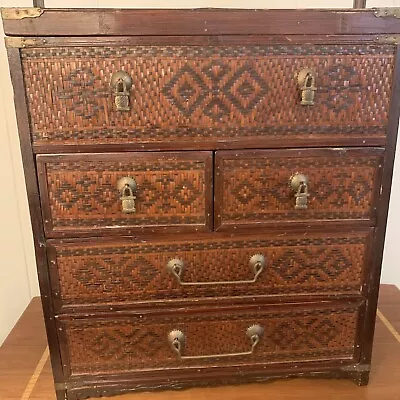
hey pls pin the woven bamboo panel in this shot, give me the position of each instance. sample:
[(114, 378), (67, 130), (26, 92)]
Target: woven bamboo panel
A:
[(100, 273), (191, 93), (118, 344), (83, 194), (341, 186)]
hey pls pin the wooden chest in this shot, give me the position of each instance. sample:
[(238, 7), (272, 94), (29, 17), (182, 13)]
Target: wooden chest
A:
[(208, 190)]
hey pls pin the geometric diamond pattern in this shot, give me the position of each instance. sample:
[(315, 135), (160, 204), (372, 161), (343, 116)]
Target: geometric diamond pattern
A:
[(342, 90), (301, 265), (186, 93), (216, 89), (339, 187), (140, 340), (81, 95), (186, 90), (135, 272), (83, 193), (133, 342)]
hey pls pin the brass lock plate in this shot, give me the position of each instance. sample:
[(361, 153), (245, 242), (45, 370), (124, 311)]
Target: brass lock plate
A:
[(296, 180), (121, 76), (123, 182)]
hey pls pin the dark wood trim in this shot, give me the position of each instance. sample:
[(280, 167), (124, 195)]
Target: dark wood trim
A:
[(228, 144), (203, 303), (227, 309), (34, 208), (194, 236), (205, 22), (200, 40), (383, 207), (150, 382)]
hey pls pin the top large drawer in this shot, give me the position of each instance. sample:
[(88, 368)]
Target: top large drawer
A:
[(208, 96)]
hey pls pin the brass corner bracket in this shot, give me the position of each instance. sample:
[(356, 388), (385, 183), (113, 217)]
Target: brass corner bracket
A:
[(388, 39), (21, 42), (387, 12), (17, 13)]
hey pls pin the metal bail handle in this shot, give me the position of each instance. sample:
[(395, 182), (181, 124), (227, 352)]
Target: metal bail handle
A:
[(176, 267), (177, 338)]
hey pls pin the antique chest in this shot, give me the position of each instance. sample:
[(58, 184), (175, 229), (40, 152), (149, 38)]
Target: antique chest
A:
[(208, 190)]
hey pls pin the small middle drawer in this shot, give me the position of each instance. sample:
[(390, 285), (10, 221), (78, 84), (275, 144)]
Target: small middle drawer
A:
[(208, 267), (94, 194), (297, 186)]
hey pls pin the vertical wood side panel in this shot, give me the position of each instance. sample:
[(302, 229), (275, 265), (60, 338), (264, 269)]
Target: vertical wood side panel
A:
[(34, 208)]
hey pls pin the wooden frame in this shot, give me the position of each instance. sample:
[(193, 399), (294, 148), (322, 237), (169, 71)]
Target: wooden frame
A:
[(200, 25)]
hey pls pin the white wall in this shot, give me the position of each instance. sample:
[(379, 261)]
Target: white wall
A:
[(18, 282)]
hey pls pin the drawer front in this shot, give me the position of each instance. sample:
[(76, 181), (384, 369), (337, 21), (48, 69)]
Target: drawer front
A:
[(265, 187), (283, 335), (84, 193), (106, 272), (189, 94)]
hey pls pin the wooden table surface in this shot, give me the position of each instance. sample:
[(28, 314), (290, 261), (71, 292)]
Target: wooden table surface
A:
[(25, 372)]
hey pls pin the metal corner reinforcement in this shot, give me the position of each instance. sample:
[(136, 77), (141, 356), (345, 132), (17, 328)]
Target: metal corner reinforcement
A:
[(22, 42), (17, 13), (387, 12)]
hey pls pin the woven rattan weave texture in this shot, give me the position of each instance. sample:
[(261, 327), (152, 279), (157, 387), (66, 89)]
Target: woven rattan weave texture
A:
[(290, 336), (124, 272), (186, 93)]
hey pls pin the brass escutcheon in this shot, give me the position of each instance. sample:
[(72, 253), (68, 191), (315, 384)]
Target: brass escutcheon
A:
[(306, 85), (299, 184), (127, 187), (121, 84)]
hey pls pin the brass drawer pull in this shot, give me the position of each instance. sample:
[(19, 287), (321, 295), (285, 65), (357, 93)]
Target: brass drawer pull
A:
[(177, 266), (299, 184), (306, 84), (121, 85), (127, 188), (176, 339)]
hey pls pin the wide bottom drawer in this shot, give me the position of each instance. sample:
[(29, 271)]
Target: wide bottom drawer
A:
[(245, 336)]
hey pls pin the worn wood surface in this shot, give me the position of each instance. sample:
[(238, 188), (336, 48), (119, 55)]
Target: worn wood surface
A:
[(210, 22), (24, 377)]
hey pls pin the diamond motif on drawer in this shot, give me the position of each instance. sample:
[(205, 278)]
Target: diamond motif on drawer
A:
[(122, 344), (82, 91), (216, 70), (244, 193), (132, 272), (215, 109), (343, 89), (186, 90), (217, 88), (245, 89), (310, 265), (298, 335)]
